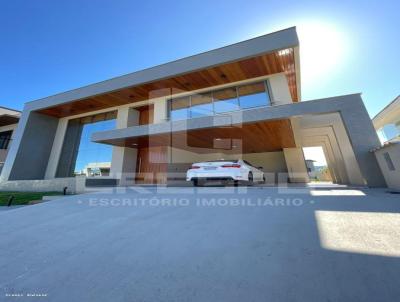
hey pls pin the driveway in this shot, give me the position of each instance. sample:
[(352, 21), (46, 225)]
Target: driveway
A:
[(208, 244)]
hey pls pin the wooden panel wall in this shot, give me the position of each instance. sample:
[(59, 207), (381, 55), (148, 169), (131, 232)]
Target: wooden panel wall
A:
[(146, 114), (266, 64), (151, 166)]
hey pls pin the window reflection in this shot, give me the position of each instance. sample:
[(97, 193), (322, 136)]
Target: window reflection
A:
[(226, 100), (180, 108), (94, 159), (220, 101), (253, 95), (201, 105)]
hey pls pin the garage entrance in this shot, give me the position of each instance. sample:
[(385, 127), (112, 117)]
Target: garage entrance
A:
[(166, 158)]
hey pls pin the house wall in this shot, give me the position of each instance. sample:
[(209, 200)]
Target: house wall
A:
[(29, 154), (392, 177)]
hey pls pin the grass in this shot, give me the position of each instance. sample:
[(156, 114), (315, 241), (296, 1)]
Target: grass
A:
[(21, 198)]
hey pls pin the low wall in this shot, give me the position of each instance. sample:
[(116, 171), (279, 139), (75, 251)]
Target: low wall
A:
[(74, 185)]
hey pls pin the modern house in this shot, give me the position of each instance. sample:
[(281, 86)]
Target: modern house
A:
[(8, 123), (238, 101), (387, 122), (387, 125)]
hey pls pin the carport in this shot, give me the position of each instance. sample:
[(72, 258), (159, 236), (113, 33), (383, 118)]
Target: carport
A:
[(166, 157)]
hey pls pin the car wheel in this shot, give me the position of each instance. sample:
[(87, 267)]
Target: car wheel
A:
[(264, 179), (250, 179), (236, 183), (195, 182)]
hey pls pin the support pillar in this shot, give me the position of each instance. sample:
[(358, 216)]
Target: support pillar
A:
[(296, 165), (123, 163)]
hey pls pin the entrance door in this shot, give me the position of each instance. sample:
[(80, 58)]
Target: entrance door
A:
[(151, 166)]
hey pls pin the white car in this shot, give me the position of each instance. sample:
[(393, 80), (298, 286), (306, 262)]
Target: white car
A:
[(225, 170)]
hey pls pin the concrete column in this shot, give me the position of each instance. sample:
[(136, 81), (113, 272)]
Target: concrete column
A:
[(296, 165), (279, 90), (363, 138), (30, 149), (160, 111), (56, 149), (123, 163)]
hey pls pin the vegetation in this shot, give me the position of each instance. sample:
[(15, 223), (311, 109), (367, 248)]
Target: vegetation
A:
[(21, 198)]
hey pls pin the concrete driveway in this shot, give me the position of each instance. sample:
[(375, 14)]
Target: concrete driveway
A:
[(212, 244)]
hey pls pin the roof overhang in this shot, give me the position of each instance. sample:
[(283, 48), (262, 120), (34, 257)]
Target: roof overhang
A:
[(265, 55), (236, 138), (8, 119), (390, 114)]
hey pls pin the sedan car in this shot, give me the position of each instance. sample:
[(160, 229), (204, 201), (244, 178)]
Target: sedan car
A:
[(225, 170)]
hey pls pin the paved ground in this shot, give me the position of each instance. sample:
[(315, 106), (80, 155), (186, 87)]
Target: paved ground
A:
[(215, 244)]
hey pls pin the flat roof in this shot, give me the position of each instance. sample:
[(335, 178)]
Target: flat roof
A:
[(9, 116), (8, 119), (254, 47), (388, 114)]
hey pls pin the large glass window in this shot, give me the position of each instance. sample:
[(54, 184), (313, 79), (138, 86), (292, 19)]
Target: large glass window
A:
[(226, 100), (253, 95), (81, 156), (180, 108), (94, 159), (220, 101), (201, 105)]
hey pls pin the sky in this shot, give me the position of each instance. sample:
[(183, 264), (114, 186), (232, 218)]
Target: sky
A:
[(316, 154), (47, 46)]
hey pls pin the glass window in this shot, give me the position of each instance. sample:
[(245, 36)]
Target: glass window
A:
[(220, 101), (94, 159), (5, 139), (201, 105), (225, 100), (389, 161), (180, 108), (253, 95)]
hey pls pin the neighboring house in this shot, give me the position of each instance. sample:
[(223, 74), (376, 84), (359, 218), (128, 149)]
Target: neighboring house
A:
[(387, 122), (96, 169), (8, 122), (238, 101), (387, 125)]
